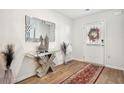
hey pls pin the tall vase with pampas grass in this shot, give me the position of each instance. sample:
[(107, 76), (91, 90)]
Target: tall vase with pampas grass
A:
[(64, 51), (9, 55)]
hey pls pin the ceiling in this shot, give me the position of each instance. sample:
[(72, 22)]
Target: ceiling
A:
[(76, 13)]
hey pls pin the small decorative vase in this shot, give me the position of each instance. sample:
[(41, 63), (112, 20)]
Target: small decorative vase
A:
[(8, 77), (64, 59)]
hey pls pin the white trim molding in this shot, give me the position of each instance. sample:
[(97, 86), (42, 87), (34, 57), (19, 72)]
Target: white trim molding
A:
[(114, 67), (110, 66)]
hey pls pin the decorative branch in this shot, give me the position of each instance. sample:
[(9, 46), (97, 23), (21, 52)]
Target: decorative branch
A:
[(64, 47), (9, 55)]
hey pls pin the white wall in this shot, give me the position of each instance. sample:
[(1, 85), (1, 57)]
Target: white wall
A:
[(114, 33), (12, 30)]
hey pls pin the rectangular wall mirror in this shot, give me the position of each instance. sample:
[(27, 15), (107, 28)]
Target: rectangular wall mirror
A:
[(35, 27)]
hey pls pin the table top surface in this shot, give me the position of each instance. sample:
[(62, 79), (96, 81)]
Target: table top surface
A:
[(34, 53)]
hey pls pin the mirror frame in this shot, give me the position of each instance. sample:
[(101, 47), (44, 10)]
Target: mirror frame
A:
[(28, 27)]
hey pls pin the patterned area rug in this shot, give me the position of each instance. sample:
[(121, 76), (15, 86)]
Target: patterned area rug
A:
[(88, 75)]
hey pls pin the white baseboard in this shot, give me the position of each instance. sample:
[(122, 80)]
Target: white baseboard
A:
[(77, 59), (115, 67), (20, 78), (69, 59), (110, 66)]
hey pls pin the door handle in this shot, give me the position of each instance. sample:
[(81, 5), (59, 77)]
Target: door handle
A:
[(109, 57), (102, 41)]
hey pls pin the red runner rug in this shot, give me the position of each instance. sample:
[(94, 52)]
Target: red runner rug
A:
[(88, 75)]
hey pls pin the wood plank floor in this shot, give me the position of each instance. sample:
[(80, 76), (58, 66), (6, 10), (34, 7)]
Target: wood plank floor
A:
[(64, 71), (61, 73), (111, 76)]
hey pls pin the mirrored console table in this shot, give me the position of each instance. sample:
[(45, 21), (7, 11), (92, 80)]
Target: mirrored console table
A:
[(45, 61)]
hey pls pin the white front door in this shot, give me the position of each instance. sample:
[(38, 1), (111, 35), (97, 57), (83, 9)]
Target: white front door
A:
[(93, 34)]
